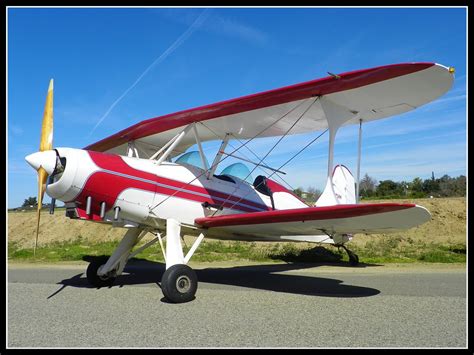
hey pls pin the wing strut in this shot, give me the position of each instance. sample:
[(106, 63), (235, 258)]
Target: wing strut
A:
[(176, 141), (235, 150), (336, 116), (201, 152), (218, 157), (358, 161), (271, 149)]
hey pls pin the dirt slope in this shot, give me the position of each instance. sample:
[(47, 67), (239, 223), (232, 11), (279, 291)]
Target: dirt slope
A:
[(447, 226)]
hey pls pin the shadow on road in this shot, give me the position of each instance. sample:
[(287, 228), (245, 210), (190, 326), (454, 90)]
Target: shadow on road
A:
[(263, 277)]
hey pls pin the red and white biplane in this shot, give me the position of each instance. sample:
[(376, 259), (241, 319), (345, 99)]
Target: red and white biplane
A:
[(142, 179)]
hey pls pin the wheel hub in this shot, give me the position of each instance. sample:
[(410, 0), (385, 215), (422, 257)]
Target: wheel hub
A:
[(183, 284), (105, 277)]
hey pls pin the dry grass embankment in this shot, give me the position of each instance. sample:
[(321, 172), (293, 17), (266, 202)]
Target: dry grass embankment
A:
[(441, 239)]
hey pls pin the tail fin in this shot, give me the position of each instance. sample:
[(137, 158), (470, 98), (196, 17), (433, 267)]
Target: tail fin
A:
[(340, 189)]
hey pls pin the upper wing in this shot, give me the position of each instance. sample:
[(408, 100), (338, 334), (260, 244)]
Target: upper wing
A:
[(338, 219), (369, 94)]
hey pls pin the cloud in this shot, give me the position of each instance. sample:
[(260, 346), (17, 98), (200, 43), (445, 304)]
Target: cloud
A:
[(445, 100), (232, 28), (415, 139), (181, 39), (402, 162), (220, 25), (19, 167)]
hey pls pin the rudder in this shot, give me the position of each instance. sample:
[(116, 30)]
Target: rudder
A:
[(340, 189)]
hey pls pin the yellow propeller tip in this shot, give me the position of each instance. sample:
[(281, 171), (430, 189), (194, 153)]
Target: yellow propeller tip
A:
[(51, 85)]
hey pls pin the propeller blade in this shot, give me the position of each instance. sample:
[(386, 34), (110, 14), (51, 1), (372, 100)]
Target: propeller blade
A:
[(42, 177), (46, 143), (46, 139)]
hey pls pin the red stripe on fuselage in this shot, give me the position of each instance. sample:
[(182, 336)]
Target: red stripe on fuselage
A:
[(106, 186)]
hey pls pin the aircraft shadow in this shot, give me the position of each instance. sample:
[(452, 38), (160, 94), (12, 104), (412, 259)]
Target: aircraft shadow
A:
[(263, 277)]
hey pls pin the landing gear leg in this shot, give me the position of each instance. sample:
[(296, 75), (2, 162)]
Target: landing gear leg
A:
[(353, 258), (103, 272), (179, 282)]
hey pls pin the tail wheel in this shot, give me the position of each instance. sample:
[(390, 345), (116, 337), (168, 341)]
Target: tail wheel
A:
[(179, 283), (353, 258), (96, 280)]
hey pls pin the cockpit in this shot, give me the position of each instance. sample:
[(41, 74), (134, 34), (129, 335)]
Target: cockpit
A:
[(236, 170), (191, 158)]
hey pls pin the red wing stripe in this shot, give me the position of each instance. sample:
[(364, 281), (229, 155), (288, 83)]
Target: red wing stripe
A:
[(301, 214)]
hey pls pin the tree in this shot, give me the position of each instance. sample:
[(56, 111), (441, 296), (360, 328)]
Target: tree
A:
[(298, 192), (367, 186), (312, 194), (404, 186), (416, 185), (446, 186), (431, 186), (459, 186), (389, 188), (30, 201)]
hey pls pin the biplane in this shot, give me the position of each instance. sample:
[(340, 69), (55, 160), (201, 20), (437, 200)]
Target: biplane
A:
[(144, 179)]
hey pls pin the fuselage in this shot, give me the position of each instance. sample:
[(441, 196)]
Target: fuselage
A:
[(129, 191)]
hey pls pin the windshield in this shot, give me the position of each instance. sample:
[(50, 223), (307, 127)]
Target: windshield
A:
[(238, 170), (191, 158)]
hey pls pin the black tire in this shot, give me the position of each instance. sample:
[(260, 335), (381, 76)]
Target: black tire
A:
[(96, 280), (179, 283)]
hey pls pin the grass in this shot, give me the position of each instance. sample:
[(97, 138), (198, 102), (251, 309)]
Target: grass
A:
[(383, 250), (442, 239)]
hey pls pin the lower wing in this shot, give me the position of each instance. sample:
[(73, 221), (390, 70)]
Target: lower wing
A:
[(337, 219)]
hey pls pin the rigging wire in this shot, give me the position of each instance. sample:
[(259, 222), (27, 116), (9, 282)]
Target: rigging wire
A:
[(256, 156), (285, 163), (271, 149), (197, 177), (261, 167)]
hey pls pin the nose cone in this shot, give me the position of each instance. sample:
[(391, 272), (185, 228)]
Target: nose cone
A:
[(45, 160)]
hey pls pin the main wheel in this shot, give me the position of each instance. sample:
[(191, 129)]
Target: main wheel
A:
[(96, 280), (179, 283)]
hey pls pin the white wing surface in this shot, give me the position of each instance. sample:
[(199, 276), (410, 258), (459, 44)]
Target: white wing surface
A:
[(369, 94)]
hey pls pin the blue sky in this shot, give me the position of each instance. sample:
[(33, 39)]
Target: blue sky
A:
[(114, 67)]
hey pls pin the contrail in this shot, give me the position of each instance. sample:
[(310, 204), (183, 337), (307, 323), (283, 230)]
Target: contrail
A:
[(195, 25)]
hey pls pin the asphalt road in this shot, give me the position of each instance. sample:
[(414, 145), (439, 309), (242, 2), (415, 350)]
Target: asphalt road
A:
[(279, 305)]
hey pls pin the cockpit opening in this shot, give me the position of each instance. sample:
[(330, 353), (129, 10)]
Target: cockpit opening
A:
[(239, 171), (191, 158)]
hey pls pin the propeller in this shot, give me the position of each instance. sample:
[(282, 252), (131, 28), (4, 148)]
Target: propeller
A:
[(41, 161)]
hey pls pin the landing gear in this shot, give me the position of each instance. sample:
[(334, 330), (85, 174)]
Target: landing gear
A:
[(179, 283), (104, 271), (339, 242), (353, 258), (102, 280)]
